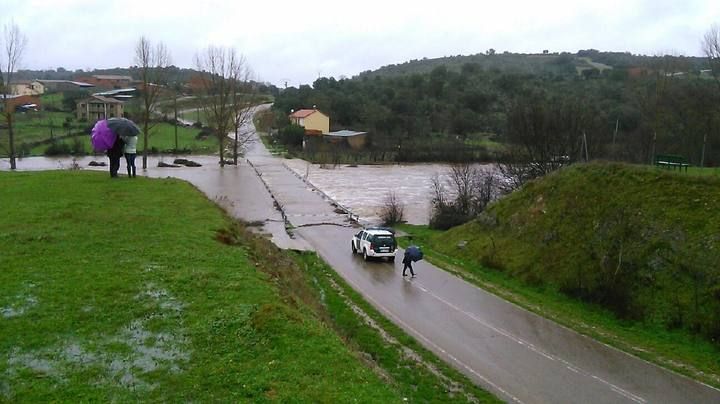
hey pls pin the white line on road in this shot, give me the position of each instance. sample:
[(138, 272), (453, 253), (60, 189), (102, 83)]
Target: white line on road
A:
[(435, 346), (532, 347)]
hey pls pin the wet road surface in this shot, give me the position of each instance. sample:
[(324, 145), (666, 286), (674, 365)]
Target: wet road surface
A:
[(514, 353)]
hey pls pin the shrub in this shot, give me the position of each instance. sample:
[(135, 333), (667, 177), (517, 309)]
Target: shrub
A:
[(292, 135), (446, 217), (392, 211), (58, 149)]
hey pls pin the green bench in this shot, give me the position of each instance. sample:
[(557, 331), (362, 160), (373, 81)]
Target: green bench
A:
[(671, 161)]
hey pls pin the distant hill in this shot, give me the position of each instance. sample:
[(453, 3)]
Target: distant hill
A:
[(541, 64)]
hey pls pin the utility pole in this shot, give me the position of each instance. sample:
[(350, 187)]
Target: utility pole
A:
[(617, 124), (702, 157), (652, 152)]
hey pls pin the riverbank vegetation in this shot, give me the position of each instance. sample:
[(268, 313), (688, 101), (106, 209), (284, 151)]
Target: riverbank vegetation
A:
[(143, 290), (625, 254)]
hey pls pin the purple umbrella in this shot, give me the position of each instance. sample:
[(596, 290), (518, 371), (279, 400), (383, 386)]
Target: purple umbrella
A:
[(102, 137)]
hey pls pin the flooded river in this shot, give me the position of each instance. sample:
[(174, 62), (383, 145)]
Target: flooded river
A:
[(364, 189)]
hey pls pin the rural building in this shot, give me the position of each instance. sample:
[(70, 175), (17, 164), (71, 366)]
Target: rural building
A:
[(98, 107), (64, 85), (119, 94), (635, 72), (108, 81), (356, 140), (27, 87), (311, 120), (343, 138)]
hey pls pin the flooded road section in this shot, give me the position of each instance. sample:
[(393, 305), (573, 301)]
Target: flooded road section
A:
[(364, 188)]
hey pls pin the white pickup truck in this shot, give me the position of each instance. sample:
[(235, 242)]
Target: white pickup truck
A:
[(374, 242)]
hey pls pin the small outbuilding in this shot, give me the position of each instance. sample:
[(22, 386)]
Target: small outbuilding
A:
[(356, 140)]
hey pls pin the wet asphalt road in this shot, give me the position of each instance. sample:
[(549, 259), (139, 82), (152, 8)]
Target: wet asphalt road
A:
[(514, 353)]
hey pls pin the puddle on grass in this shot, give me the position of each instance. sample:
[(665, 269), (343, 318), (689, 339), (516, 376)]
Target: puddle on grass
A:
[(145, 349), (32, 361), (75, 354), (150, 351), (161, 297), (20, 304)]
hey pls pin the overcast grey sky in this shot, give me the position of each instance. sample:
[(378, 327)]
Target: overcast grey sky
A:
[(300, 40)]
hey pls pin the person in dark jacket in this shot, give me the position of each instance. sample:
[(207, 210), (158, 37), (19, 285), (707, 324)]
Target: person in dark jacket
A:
[(407, 263), (114, 153)]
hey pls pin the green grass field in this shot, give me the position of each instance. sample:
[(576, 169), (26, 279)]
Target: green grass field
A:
[(36, 126), (162, 138), (142, 290)]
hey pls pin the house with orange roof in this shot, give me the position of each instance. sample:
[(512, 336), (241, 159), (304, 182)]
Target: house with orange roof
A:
[(312, 120)]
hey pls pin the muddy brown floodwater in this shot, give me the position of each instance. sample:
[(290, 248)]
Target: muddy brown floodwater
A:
[(364, 188)]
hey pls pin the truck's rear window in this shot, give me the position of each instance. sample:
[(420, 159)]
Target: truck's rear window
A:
[(386, 241)]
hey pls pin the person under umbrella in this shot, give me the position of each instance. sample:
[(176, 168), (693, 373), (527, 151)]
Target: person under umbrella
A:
[(407, 263), (412, 254), (130, 152), (126, 130), (114, 153)]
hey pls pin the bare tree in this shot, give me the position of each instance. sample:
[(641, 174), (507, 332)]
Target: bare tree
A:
[(244, 98), (221, 70), (152, 62), (13, 49), (462, 177), (711, 48), (464, 195)]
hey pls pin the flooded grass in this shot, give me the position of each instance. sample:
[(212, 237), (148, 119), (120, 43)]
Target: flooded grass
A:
[(120, 291)]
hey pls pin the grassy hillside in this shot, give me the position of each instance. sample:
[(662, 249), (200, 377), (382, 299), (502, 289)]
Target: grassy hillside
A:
[(628, 255), (143, 290), (644, 243)]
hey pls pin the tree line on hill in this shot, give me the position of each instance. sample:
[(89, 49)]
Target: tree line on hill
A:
[(553, 106)]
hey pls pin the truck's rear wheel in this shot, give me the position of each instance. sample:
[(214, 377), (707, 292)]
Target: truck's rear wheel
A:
[(354, 250), (365, 256)]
